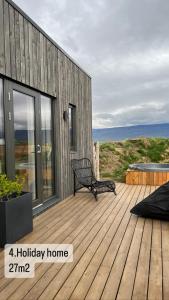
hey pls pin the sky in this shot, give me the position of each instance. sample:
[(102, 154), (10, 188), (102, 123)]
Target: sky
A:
[(123, 45)]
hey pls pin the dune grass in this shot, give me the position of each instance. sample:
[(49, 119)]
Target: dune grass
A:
[(115, 157)]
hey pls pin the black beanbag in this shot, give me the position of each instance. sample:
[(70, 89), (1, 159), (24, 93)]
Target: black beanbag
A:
[(156, 205)]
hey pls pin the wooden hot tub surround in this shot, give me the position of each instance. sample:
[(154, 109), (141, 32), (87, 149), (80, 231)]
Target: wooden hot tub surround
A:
[(154, 177)]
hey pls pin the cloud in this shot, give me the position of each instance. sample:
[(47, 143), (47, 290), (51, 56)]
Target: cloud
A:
[(134, 115), (123, 44)]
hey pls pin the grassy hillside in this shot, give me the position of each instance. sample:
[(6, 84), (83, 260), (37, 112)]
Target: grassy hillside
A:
[(115, 157)]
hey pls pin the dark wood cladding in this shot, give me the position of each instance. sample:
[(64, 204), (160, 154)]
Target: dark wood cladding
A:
[(30, 58)]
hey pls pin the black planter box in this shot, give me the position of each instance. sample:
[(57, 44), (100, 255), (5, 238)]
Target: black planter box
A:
[(16, 218)]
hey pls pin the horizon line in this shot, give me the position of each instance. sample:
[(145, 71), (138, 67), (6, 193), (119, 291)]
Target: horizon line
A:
[(149, 124)]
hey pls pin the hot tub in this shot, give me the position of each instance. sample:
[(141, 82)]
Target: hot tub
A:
[(147, 174)]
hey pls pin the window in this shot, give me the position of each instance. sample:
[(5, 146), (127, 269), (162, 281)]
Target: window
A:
[(2, 137), (47, 146), (72, 127)]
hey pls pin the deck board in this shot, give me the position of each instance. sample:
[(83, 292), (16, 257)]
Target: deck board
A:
[(116, 255)]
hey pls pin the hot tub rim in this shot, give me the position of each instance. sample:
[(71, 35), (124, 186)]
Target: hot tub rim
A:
[(141, 167)]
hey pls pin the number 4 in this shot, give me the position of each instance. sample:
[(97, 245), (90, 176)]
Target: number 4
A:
[(11, 252)]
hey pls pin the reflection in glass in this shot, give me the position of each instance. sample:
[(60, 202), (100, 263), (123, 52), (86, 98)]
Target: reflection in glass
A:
[(46, 133), (72, 123), (24, 131), (2, 137), (71, 126)]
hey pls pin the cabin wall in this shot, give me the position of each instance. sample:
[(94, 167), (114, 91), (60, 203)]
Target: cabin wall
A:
[(30, 58)]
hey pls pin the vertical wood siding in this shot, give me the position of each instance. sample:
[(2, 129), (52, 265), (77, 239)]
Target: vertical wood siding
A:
[(27, 56)]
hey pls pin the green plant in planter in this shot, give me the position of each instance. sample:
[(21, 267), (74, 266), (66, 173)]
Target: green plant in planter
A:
[(10, 188), (15, 210)]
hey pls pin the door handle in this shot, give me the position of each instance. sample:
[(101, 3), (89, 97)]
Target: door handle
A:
[(38, 148)]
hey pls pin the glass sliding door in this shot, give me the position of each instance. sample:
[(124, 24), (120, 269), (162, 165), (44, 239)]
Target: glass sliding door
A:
[(47, 146), (24, 139), (29, 143), (2, 137)]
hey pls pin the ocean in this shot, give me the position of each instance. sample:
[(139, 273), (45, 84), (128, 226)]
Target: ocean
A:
[(131, 132)]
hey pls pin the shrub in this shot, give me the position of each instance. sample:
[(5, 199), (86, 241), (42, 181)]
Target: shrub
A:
[(156, 149), (142, 152), (10, 188), (119, 173), (107, 147), (106, 175)]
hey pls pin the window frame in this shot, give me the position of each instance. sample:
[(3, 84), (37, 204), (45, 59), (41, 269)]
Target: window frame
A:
[(73, 135), (9, 86), (3, 124)]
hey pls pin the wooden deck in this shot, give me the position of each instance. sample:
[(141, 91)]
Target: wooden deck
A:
[(116, 254)]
